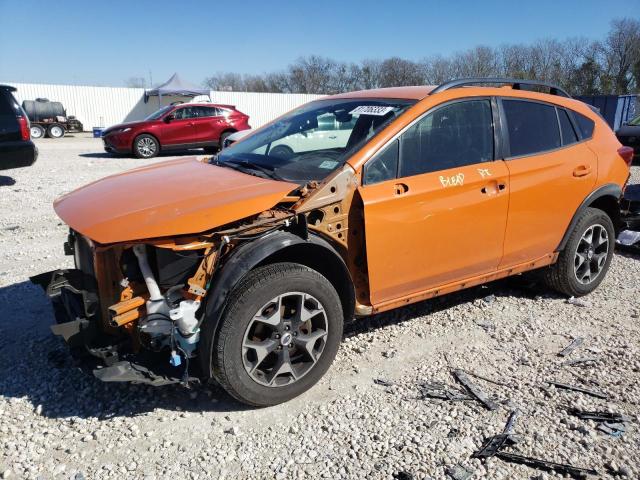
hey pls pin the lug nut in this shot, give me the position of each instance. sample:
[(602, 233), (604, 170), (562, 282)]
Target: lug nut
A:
[(279, 347), (295, 334), (286, 327), (277, 336)]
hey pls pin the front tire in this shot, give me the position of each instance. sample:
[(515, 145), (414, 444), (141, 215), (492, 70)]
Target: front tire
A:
[(585, 260), (145, 146), (278, 335)]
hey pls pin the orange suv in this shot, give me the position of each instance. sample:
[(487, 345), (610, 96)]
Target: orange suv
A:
[(243, 267)]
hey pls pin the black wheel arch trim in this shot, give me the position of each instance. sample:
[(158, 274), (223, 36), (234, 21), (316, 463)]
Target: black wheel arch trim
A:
[(241, 261), (608, 190)]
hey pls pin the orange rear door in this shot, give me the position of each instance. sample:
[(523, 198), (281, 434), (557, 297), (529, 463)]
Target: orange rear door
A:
[(550, 171), (443, 218)]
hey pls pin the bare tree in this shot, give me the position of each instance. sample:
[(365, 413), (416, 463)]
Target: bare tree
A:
[(397, 72), (622, 52)]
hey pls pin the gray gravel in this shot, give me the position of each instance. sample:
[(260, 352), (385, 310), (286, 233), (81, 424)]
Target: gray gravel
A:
[(55, 422)]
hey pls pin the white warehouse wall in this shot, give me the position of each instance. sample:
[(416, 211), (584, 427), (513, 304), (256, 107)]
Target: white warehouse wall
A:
[(105, 106)]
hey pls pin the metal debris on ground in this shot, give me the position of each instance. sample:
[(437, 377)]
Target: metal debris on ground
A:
[(383, 382), (574, 388), (482, 397), (495, 382), (578, 302), (613, 429), (489, 299), (580, 361), (492, 445), (575, 343), (599, 416), (458, 472), (441, 391), (560, 468), (403, 476), (628, 238)]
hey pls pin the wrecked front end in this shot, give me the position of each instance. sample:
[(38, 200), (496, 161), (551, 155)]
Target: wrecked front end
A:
[(132, 311)]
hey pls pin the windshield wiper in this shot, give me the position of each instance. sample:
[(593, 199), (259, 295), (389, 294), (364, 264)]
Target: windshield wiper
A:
[(246, 164)]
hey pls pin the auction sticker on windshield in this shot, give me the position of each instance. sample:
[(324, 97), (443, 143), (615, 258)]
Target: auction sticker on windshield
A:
[(328, 164), (371, 110)]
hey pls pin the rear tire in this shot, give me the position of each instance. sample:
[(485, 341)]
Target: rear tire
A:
[(55, 131), (279, 334), (37, 131), (145, 146), (585, 260)]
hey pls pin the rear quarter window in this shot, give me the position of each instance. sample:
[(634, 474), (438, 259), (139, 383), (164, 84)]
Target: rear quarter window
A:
[(585, 125), (8, 104), (532, 127)]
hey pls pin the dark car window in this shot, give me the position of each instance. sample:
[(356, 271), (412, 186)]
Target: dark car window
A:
[(569, 135), (452, 136), (208, 112), (585, 125), (186, 112), (384, 166), (9, 127), (532, 127)]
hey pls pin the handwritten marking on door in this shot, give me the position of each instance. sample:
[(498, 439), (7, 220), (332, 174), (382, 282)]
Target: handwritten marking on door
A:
[(484, 172), (453, 180)]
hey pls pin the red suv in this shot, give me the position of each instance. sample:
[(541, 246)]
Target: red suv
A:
[(176, 127)]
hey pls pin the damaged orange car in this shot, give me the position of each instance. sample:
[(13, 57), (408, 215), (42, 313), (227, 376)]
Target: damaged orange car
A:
[(243, 267)]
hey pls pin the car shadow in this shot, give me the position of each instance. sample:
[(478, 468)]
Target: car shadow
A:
[(37, 366), (172, 153), (6, 181)]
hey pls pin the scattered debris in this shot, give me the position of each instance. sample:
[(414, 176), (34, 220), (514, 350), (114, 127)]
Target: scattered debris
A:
[(495, 445), (578, 302), (613, 429), (441, 391), (458, 472), (495, 382), (580, 361), (599, 416), (389, 354), (492, 445), (560, 468), (464, 379), (586, 391), (383, 382), (575, 343), (403, 476), (628, 238)]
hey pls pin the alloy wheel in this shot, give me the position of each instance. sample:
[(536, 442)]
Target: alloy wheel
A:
[(284, 339), (591, 254), (146, 147)]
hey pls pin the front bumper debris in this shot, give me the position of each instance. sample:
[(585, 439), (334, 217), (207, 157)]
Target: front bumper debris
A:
[(109, 358)]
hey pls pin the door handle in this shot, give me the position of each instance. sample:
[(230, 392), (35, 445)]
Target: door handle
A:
[(400, 188), (582, 171)]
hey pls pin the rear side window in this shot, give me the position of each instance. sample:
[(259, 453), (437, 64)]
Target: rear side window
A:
[(532, 127), (569, 135), (454, 135), (7, 103), (585, 125)]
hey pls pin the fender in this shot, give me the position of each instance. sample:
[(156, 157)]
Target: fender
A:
[(242, 260), (608, 190)]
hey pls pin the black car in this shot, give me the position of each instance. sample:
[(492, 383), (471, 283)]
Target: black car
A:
[(629, 135), (16, 148)]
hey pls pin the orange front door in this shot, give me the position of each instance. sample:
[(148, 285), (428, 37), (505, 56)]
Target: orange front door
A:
[(428, 230)]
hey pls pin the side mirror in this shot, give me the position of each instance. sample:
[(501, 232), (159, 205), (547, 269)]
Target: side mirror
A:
[(169, 117)]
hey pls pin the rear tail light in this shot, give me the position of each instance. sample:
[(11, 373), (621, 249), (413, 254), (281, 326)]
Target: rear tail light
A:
[(627, 154), (24, 128)]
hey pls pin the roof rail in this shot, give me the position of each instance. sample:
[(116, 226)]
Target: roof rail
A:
[(515, 83)]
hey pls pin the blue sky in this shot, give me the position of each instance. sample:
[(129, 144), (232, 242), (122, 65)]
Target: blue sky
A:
[(106, 42)]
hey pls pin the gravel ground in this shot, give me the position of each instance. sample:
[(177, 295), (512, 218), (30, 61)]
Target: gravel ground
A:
[(55, 422)]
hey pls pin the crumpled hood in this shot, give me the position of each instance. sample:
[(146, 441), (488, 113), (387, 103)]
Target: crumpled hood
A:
[(171, 198)]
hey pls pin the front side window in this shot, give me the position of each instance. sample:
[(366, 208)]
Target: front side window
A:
[(314, 140), (454, 135), (384, 166), (186, 112), (532, 127)]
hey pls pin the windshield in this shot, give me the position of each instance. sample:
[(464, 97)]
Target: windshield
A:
[(635, 121), (159, 113), (313, 140)]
